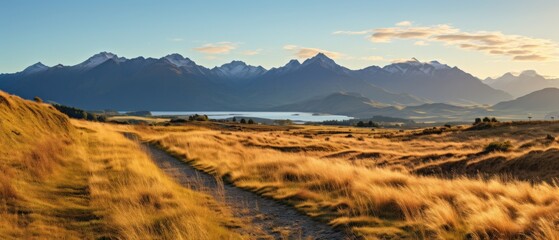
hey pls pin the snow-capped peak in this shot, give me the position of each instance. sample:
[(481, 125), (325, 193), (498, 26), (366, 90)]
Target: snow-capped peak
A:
[(238, 69), (98, 59), (178, 60), (437, 65), (37, 67), (415, 65)]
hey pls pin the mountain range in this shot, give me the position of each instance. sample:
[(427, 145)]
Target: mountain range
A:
[(318, 84), (521, 84)]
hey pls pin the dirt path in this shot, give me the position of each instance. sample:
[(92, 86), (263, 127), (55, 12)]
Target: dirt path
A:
[(275, 219)]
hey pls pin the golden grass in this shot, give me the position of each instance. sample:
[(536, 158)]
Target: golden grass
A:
[(80, 180), (352, 182), (139, 201)]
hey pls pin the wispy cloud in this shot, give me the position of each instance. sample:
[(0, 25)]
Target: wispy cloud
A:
[(176, 39), (404, 24), (517, 47), (252, 52), (352, 32), (306, 52), (217, 48)]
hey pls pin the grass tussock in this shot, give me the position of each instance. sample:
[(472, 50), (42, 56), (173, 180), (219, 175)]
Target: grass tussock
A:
[(374, 201)]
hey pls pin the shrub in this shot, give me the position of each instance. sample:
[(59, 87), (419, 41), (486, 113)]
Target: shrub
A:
[(37, 99), (243, 121), (197, 117), (498, 146), (486, 120), (177, 120), (77, 113), (250, 121)]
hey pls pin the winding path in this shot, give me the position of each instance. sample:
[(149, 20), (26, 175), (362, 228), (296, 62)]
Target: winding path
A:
[(275, 219)]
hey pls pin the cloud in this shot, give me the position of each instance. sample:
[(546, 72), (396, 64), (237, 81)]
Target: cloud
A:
[(351, 32), (217, 48), (304, 52), (534, 57), (388, 34), (516, 47), (252, 52), (404, 24), (176, 39), (290, 47)]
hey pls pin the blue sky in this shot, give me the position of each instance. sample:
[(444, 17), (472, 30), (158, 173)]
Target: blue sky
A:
[(483, 37)]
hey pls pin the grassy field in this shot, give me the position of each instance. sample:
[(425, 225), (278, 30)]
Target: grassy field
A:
[(450, 184), (70, 179), (62, 179)]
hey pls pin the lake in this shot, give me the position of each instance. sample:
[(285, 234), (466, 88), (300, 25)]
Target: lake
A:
[(293, 116)]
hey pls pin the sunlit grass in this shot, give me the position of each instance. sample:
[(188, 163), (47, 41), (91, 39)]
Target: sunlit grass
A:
[(378, 196), (62, 179)]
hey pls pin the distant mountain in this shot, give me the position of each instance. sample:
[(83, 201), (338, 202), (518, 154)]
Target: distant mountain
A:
[(174, 82), (336, 103), (238, 70), (545, 100), (355, 105), (316, 76), (434, 81), (526, 82), (106, 81), (98, 59), (35, 68)]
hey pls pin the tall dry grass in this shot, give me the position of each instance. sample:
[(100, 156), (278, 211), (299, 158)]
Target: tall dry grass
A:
[(79, 180), (139, 201), (373, 201)]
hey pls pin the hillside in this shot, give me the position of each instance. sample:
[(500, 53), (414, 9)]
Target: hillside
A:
[(355, 105), (335, 103), (62, 179), (544, 100)]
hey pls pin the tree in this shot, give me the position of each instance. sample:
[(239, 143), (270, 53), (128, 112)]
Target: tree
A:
[(250, 121), (529, 118), (477, 121), (234, 119), (243, 121), (360, 124), (486, 120), (38, 99), (370, 123), (494, 119), (552, 118)]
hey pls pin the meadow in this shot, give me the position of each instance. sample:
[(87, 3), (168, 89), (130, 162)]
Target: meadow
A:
[(448, 184), (76, 179)]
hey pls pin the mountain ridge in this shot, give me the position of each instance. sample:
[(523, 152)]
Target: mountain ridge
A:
[(174, 82)]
